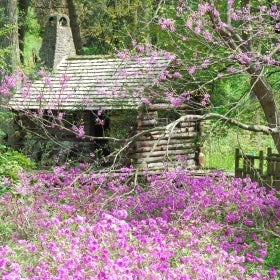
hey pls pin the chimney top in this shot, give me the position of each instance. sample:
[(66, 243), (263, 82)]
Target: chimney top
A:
[(61, 19), (57, 41)]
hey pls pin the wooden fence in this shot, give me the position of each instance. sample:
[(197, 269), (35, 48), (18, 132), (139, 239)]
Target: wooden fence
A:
[(260, 168)]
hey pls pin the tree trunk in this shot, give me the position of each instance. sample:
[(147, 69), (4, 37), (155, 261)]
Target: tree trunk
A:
[(259, 83), (75, 26), (23, 10), (265, 96), (9, 41)]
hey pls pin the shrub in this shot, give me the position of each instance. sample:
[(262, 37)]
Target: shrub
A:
[(11, 163), (72, 224)]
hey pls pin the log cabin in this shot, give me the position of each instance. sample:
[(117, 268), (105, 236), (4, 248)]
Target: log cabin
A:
[(104, 95)]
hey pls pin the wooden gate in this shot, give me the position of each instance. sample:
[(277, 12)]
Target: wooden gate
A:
[(260, 168)]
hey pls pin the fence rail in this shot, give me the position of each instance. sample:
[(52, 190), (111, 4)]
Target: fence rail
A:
[(261, 168)]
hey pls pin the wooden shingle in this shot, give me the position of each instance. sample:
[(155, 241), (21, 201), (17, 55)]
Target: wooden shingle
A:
[(91, 83)]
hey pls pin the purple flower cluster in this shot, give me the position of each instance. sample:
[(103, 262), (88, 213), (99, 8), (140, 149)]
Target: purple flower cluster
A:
[(72, 224), (9, 83)]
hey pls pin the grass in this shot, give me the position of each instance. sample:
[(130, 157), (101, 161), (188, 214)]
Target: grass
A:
[(219, 147), (273, 253)]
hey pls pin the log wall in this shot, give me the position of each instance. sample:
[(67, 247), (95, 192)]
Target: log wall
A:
[(161, 149)]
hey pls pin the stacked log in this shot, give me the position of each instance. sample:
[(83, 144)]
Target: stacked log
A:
[(159, 149)]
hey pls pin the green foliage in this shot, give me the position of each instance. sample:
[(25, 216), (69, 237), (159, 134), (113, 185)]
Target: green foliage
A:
[(11, 163), (107, 25), (5, 30), (228, 92), (122, 124), (32, 25), (32, 41), (6, 119), (222, 140), (273, 253)]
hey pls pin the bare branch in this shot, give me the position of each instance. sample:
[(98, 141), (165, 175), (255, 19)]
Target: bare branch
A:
[(250, 127)]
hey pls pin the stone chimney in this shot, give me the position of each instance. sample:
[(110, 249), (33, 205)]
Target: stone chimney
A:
[(57, 42)]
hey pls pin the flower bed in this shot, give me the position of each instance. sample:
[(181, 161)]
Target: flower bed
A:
[(73, 224)]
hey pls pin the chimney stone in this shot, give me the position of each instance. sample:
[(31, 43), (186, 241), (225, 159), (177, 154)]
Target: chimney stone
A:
[(57, 41)]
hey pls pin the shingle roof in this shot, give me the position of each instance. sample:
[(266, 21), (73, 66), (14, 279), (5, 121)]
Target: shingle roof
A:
[(91, 83)]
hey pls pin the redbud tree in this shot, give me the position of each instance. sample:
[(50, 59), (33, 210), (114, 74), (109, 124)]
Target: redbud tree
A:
[(225, 41)]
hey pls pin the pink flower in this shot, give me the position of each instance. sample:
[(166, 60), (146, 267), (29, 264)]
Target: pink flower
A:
[(167, 24), (176, 101), (208, 36), (191, 70), (47, 80), (273, 272), (140, 48), (79, 131), (121, 214), (145, 100), (123, 54)]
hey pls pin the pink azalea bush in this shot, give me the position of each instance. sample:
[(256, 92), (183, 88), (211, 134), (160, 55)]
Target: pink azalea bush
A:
[(74, 224)]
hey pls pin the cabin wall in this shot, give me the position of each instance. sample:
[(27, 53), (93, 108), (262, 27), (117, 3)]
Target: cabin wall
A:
[(160, 149), (156, 148)]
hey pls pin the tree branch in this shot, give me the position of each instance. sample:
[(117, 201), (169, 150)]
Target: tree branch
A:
[(250, 127)]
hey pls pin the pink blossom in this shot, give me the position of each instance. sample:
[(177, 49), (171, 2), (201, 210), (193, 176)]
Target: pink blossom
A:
[(79, 131), (207, 35), (176, 75), (263, 9), (197, 29), (42, 73), (189, 23), (146, 101), (169, 55), (100, 111), (205, 100), (230, 3), (176, 101), (231, 70), (8, 83), (47, 81), (204, 8), (167, 24), (133, 43), (205, 63), (140, 48), (273, 272), (99, 121), (191, 70), (243, 58), (6, 181), (123, 54)]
